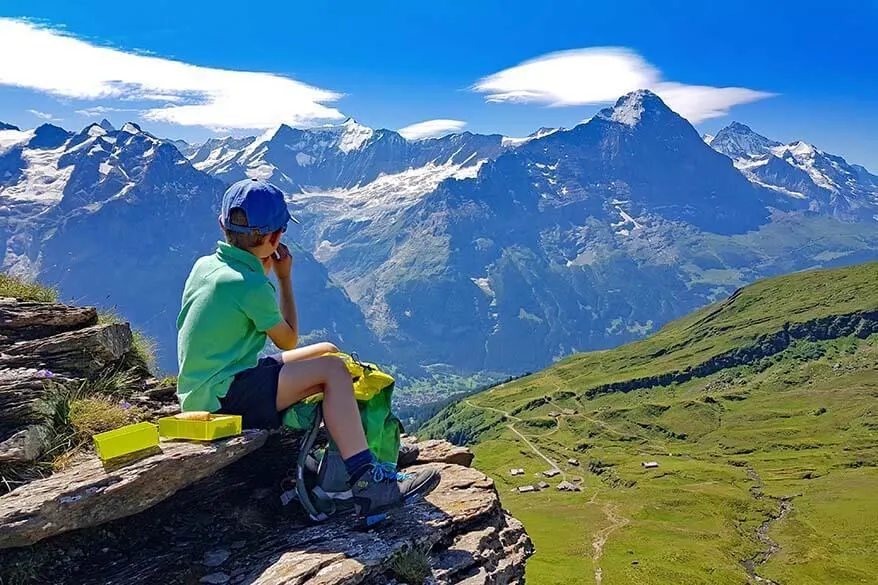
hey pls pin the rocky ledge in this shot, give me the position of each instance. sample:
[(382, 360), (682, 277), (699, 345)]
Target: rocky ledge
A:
[(231, 527), (191, 513)]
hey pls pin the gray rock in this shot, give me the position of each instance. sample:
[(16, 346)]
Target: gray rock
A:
[(25, 445), (215, 558), (463, 510), (215, 579), (437, 451), (23, 320), (87, 493), (86, 352)]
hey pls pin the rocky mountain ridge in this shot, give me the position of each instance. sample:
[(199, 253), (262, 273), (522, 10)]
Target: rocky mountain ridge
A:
[(439, 254)]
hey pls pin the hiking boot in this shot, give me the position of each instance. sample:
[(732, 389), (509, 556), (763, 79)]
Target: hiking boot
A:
[(381, 489), (408, 454)]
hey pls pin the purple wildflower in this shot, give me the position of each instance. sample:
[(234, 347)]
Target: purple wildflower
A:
[(45, 374)]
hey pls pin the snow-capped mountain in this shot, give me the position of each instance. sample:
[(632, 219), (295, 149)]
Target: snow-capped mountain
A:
[(480, 252), (117, 217), (342, 156), (574, 239), (826, 182), (738, 141)]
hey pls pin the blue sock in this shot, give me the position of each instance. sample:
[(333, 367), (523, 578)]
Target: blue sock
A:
[(359, 463)]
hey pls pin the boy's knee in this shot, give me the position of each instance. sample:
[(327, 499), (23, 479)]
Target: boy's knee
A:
[(336, 366)]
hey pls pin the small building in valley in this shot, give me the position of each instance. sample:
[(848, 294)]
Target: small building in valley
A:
[(551, 472), (516, 471), (543, 485), (650, 464), (526, 489), (573, 462)]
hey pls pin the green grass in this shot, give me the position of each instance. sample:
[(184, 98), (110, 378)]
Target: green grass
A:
[(802, 419), (757, 310), (694, 519), (412, 565), (16, 288)]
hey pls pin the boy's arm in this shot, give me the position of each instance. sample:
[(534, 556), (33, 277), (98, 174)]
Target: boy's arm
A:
[(285, 335)]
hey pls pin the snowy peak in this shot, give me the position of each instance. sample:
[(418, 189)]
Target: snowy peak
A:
[(5, 126), (631, 108), (737, 140), (799, 170), (798, 149), (354, 135), (130, 128)]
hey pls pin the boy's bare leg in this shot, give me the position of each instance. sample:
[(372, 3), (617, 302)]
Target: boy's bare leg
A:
[(300, 379), (305, 353)]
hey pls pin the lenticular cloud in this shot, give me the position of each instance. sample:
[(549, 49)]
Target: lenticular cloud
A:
[(600, 75), (50, 61)]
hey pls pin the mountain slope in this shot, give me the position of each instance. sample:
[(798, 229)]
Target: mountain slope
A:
[(756, 406)]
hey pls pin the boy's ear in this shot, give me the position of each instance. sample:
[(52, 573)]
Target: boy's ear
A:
[(274, 237), (219, 220)]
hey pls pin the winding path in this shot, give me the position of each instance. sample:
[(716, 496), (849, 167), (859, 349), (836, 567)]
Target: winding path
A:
[(512, 428), (601, 536)]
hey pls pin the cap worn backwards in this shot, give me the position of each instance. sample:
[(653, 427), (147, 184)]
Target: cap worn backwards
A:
[(262, 202)]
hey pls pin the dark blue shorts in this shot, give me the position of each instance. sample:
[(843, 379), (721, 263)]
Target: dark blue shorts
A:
[(253, 395)]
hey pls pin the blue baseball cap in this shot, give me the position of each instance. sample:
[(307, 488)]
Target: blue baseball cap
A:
[(262, 202)]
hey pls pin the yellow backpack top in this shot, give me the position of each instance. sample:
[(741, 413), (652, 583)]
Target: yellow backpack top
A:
[(368, 379)]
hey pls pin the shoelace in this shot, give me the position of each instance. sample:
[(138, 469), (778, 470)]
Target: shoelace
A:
[(382, 471)]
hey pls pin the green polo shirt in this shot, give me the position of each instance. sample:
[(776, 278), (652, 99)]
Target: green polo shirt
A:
[(228, 305)]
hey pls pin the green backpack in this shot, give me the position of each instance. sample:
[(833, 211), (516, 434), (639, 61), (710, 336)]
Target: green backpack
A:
[(373, 390)]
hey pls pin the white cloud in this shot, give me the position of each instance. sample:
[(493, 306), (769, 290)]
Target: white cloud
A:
[(602, 74), (95, 111), (42, 115), (431, 128), (53, 62)]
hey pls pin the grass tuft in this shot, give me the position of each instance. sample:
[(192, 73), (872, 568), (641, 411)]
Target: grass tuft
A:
[(168, 381), (144, 351), (412, 565), (16, 288)]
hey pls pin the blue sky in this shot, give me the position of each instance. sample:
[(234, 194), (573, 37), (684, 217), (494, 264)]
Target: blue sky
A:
[(799, 70)]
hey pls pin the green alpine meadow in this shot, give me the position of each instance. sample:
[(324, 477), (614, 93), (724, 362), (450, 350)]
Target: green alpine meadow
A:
[(737, 444)]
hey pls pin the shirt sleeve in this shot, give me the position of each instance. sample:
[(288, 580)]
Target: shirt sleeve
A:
[(260, 306)]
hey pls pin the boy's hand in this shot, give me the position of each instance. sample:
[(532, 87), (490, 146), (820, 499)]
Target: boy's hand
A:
[(283, 262), (267, 264)]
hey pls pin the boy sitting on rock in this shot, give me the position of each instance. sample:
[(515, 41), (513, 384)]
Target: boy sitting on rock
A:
[(230, 305)]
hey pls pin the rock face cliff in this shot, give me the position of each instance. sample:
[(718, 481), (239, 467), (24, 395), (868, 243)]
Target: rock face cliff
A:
[(190, 513)]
